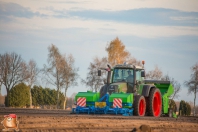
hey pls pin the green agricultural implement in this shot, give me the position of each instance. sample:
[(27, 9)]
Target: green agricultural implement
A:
[(128, 93)]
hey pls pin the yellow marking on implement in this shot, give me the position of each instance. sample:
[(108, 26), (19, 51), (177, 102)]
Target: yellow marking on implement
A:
[(100, 104)]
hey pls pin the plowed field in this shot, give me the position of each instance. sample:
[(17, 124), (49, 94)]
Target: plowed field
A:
[(36, 120)]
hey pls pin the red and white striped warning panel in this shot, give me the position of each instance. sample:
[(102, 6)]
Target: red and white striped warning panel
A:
[(117, 102), (81, 101)]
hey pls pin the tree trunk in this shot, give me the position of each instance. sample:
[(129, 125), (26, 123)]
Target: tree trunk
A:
[(0, 88), (65, 101), (57, 107), (58, 88), (194, 101), (7, 102), (30, 97)]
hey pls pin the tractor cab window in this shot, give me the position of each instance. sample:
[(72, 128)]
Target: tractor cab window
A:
[(123, 75), (138, 76)]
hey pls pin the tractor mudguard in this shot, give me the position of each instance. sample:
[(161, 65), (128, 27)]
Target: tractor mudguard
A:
[(146, 90)]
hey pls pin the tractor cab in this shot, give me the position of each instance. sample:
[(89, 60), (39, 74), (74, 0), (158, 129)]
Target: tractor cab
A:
[(123, 78), (129, 74)]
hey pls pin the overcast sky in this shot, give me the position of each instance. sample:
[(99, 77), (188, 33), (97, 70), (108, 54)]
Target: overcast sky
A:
[(161, 32)]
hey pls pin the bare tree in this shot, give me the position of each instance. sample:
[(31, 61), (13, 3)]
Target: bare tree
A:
[(32, 73), (13, 70), (134, 61), (176, 85), (196, 110), (192, 105), (157, 74), (70, 75), (1, 79), (0, 88), (54, 71), (117, 53), (0, 85), (192, 84), (93, 81), (154, 74)]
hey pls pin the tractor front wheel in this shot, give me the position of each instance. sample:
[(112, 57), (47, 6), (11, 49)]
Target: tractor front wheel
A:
[(139, 105), (154, 102)]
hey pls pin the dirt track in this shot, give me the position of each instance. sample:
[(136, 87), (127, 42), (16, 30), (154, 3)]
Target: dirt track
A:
[(35, 120)]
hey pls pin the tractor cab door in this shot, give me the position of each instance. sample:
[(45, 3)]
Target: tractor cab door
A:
[(139, 78)]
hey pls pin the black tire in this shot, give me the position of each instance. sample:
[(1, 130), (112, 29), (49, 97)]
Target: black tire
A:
[(154, 103), (139, 105)]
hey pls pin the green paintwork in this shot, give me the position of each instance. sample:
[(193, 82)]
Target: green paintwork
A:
[(166, 91), (126, 98), (165, 104), (174, 115), (122, 87), (90, 96), (139, 88)]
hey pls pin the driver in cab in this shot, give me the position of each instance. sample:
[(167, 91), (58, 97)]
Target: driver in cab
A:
[(130, 77)]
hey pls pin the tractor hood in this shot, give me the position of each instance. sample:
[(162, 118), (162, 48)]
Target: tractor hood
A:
[(117, 87)]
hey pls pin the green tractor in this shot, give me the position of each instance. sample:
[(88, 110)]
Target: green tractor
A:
[(127, 90)]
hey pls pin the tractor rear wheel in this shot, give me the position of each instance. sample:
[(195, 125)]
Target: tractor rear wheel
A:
[(139, 105), (154, 106)]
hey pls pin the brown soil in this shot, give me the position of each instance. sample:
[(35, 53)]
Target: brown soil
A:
[(36, 120)]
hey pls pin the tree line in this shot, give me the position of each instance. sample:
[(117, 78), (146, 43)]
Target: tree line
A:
[(41, 97), (184, 108), (61, 73)]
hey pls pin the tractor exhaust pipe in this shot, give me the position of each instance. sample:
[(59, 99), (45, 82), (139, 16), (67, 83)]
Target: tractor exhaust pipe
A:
[(108, 73)]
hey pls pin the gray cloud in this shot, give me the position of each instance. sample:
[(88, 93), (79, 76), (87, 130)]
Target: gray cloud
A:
[(16, 10), (149, 16), (146, 16)]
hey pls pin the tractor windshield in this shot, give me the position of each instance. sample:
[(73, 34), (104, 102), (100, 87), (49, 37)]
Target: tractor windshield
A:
[(123, 75)]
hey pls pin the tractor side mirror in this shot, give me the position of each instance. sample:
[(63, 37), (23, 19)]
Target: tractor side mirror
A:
[(142, 73), (99, 72)]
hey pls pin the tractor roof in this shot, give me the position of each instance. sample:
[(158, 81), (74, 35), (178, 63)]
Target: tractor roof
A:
[(128, 66)]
